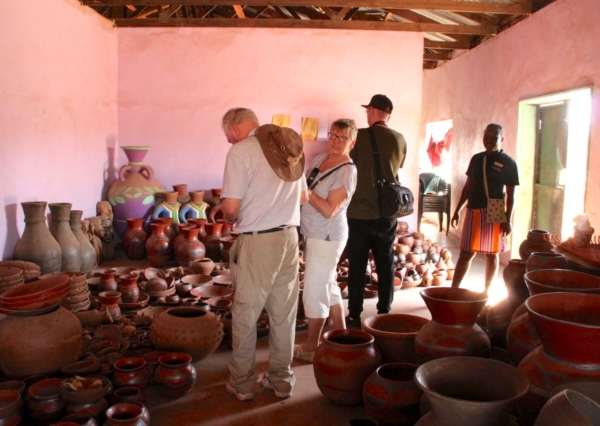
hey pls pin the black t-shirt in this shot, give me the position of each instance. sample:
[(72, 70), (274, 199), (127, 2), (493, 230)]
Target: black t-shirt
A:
[(501, 171)]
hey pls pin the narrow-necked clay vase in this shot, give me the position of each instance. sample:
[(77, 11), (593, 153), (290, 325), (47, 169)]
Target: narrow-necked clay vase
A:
[(134, 239), (158, 247), (88, 254), (189, 248), (60, 228)]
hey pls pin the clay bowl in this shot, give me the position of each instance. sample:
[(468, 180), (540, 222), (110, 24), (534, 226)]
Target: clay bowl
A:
[(81, 368), (119, 270), (156, 294), (180, 271), (10, 273), (74, 276), (13, 385), (37, 289), (209, 291), (77, 307), (402, 249), (197, 280), (10, 402), (395, 335), (555, 280), (45, 389), (223, 280), (172, 300), (217, 303), (45, 300), (81, 297), (77, 288), (142, 301), (150, 273), (13, 283), (86, 395)]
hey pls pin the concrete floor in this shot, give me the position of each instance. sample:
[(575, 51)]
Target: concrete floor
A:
[(210, 404)]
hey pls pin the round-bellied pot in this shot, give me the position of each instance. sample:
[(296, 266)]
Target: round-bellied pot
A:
[(521, 335), (44, 402), (452, 330), (470, 391), (391, 395), (175, 374), (158, 247), (131, 372), (212, 240), (544, 260), (568, 325), (569, 408), (125, 414), (536, 241), (187, 329), (10, 407), (395, 335), (42, 344), (203, 266), (342, 364), (189, 248), (130, 292), (134, 239), (81, 419)]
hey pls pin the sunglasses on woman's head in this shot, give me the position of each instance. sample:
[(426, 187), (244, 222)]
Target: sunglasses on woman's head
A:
[(311, 177)]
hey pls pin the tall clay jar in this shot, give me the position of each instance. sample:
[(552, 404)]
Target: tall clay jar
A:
[(88, 254), (212, 241), (175, 374), (537, 240), (342, 364), (201, 225), (60, 228), (134, 239), (169, 231), (130, 292), (189, 247), (37, 244), (227, 244), (227, 227), (158, 248), (107, 280)]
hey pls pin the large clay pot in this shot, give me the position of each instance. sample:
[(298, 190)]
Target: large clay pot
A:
[(470, 391), (395, 335), (536, 242), (568, 325), (544, 260), (175, 374), (391, 395), (158, 248), (134, 239), (189, 248), (133, 194), (37, 244), (60, 228), (342, 364), (187, 329), (195, 208), (569, 408), (88, 254), (40, 344), (521, 335), (212, 240), (452, 330)]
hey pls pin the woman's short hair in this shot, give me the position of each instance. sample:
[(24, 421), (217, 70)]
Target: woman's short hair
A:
[(346, 123)]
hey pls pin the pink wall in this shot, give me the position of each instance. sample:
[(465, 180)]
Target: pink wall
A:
[(175, 84), (58, 107), (552, 51)]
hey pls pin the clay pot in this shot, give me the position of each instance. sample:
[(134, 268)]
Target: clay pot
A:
[(195, 208), (130, 292), (569, 328), (88, 254), (569, 408), (42, 344), (342, 364), (201, 225), (131, 372), (402, 249), (407, 240), (107, 280), (129, 394), (227, 243), (60, 228), (414, 258), (536, 242), (88, 401), (183, 196), (125, 414), (37, 244), (169, 231), (544, 260), (395, 335), (187, 329), (212, 240), (80, 419), (402, 227), (452, 330), (10, 407), (158, 248), (391, 395), (175, 374), (134, 239), (203, 266), (44, 400), (470, 391), (189, 248), (513, 274)]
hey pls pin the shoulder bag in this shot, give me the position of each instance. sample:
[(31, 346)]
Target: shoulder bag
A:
[(395, 200), (496, 210)]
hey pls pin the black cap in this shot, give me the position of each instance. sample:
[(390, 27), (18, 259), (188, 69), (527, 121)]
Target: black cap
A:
[(381, 102)]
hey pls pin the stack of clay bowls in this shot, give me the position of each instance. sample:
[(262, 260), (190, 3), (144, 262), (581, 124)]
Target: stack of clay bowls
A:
[(78, 297), (43, 293), (10, 277)]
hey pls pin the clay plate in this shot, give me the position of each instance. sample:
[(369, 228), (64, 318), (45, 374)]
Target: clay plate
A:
[(209, 291)]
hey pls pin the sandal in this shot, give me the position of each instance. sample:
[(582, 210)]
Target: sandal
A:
[(303, 355)]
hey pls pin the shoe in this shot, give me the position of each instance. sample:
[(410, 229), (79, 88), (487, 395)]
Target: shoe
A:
[(353, 323), (267, 384), (240, 396), (302, 354)]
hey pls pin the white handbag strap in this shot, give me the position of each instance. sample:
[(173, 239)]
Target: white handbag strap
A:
[(485, 176)]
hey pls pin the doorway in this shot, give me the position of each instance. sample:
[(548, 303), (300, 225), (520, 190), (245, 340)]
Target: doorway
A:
[(552, 153)]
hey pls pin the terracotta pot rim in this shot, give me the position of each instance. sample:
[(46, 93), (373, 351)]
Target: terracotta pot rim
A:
[(369, 339), (532, 281), (449, 290), (370, 325), (564, 298), (397, 365)]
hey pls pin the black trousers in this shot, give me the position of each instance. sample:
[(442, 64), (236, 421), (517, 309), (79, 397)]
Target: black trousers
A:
[(376, 236)]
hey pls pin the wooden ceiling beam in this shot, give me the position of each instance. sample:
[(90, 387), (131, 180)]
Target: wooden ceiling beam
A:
[(436, 57), (302, 23), (239, 11), (446, 45), (523, 8)]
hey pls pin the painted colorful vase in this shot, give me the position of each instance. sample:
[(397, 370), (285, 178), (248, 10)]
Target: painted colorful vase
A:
[(569, 328), (134, 239), (183, 196), (158, 249), (37, 244), (175, 374), (187, 329), (39, 344), (60, 228), (133, 194), (131, 372), (88, 254), (189, 248), (168, 208), (391, 395), (342, 364), (537, 241), (470, 391), (452, 330), (195, 208), (212, 241)]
